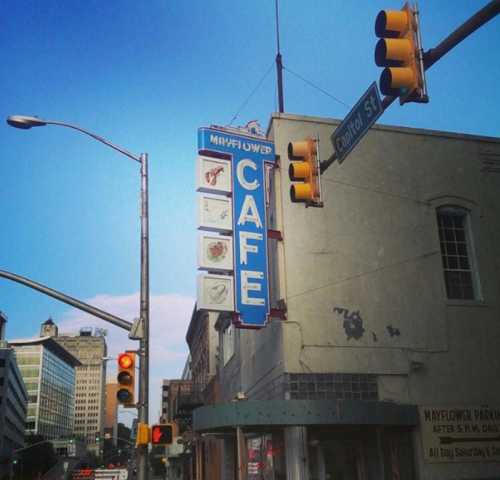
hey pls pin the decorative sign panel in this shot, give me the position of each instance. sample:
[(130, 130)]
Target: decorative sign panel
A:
[(214, 175), (215, 293), (215, 212), (215, 252), (248, 157)]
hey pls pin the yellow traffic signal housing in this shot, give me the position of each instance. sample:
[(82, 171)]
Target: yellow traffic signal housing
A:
[(143, 434), (305, 169), (126, 379), (399, 51), (162, 434)]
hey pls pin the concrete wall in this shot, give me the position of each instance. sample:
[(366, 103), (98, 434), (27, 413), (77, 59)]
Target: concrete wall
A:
[(362, 277), (256, 366)]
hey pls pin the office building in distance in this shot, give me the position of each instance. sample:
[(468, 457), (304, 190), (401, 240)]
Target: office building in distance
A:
[(13, 404)]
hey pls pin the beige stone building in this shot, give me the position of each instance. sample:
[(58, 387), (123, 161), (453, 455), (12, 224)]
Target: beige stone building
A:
[(90, 349), (385, 364)]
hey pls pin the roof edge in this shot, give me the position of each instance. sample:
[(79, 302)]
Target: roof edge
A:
[(393, 128), (51, 345)]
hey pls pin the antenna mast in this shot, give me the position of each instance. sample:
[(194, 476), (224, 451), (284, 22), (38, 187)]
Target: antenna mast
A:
[(279, 64)]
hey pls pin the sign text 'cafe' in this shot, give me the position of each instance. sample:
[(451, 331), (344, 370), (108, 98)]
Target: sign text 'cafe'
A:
[(232, 209)]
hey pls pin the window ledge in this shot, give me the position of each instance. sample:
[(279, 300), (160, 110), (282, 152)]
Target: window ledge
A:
[(466, 303)]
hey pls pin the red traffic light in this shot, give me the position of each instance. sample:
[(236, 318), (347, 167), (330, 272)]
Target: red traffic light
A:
[(125, 360), (126, 379), (162, 434)]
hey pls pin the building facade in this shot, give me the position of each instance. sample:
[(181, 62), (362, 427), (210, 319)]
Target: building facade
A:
[(384, 361), (111, 413), (13, 408), (3, 323), (178, 400), (90, 400), (48, 372)]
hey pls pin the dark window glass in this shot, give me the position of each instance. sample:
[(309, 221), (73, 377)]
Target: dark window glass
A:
[(455, 253)]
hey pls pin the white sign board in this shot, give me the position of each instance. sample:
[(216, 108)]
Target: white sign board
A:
[(457, 434), (215, 212), (216, 293), (214, 175), (215, 253)]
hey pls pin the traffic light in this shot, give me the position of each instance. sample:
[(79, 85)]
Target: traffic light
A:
[(162, 434), (305, 169), (399, 51), (126, 379), (142, 434)]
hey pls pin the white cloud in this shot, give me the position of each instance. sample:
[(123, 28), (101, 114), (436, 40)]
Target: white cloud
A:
[(169, 320)]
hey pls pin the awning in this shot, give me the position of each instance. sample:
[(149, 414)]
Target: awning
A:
[(248, 413)]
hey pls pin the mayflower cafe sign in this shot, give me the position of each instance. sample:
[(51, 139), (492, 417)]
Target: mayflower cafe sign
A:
[(232, 249)]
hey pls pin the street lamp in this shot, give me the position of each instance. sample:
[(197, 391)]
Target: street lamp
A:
[(26, 122)]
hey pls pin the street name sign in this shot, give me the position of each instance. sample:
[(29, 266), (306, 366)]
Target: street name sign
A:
[(357, 122)]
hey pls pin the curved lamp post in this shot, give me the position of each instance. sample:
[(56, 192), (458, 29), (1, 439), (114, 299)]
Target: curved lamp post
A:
[(27, 122)]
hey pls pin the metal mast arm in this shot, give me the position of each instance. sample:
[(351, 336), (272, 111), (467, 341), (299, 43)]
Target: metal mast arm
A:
[(108, 317)]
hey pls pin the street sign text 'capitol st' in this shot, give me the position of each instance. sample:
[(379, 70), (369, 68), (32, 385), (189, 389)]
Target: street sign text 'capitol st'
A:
[(247, 156), (357, 122)]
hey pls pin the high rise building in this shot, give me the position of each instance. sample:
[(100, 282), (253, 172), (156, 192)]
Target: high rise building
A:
[(90, 349), (13, 404), (48, 372)]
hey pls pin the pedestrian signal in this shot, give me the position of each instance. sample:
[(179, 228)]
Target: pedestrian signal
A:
[(162, 434)]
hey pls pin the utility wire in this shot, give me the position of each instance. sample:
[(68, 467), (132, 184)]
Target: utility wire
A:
[(243, 105), (365, 273), (317, 88), (375, 190)]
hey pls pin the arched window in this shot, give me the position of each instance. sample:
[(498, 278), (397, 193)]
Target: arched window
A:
[(457, 254)]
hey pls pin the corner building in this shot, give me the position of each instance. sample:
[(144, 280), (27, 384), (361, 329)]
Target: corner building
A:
[(386, 364)]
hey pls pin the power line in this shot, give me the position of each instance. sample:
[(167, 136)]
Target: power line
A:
[(375, 190), (317, 88), (243, 105), (365, 273)]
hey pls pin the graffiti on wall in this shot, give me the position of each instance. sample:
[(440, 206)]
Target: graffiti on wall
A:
[(353, 324)]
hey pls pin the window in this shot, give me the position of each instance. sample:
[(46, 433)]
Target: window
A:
[(456, 253)]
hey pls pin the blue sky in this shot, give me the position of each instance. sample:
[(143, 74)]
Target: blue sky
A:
[(146, 75)]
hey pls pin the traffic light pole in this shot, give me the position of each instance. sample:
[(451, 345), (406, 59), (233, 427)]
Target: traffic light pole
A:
[(143, 410), (432, 55), (27, 122)]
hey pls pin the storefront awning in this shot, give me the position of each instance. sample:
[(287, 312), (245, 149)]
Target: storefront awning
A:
[(248, 413)]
